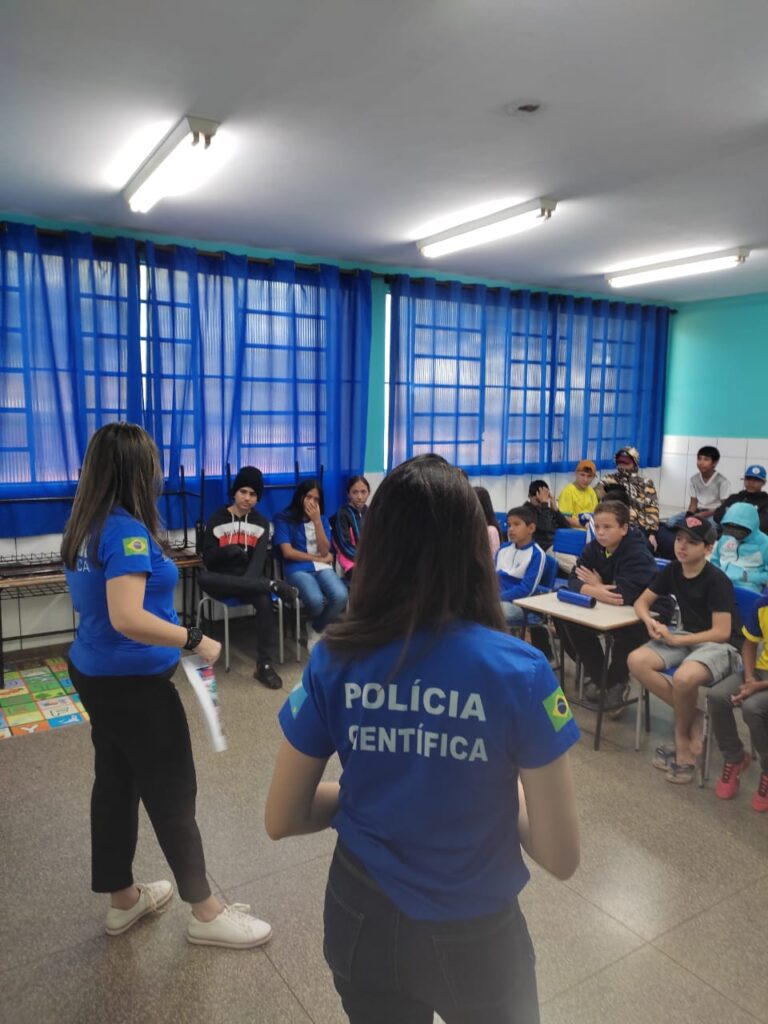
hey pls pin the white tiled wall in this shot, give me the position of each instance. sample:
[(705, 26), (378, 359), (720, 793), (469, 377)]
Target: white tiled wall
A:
[(678, 464)]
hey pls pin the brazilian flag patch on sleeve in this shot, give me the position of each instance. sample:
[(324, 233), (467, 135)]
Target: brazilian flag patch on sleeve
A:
[(558, 709), (135, 546), (297, 697)]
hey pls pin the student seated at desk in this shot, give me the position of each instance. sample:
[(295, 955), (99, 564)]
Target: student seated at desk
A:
[(519, 568), (702, 653), (614, 569), (579, 497)]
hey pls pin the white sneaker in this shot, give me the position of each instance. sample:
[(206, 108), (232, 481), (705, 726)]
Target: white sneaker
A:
[(313, 638), (153, 898), (234, 928)]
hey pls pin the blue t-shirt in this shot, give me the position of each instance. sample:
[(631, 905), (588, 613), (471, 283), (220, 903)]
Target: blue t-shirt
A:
[(287, 531), (430, 760), (125, 547)]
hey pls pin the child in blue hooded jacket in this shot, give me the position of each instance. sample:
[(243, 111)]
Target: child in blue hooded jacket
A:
[(742, 551)]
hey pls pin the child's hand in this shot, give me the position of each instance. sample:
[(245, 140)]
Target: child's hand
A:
[(590, 576), (609, 594), (746, 690), (312, 508), (661, 632), (656, 630), (543, 496)]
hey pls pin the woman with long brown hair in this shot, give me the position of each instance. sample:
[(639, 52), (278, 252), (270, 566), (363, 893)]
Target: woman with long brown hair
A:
[(452, 737), (121, 663)]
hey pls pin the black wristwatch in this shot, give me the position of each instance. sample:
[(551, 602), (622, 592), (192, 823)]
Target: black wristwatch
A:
[(194, 638)]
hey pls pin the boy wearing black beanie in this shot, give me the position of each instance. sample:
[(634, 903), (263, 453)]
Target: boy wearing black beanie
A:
[(235, 558)]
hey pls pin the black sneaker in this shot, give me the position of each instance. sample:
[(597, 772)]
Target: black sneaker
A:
[(267, 675), (614, 696), (284, 591)]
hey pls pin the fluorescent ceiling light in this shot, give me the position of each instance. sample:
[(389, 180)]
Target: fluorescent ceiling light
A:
[(497, 225), (178, 165), (705, 264)]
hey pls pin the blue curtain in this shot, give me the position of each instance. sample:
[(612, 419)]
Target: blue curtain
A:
[(519, 382), (256, 364), (69, 362)]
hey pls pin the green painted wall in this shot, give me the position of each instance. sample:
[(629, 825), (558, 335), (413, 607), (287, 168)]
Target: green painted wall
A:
[(718, 366)]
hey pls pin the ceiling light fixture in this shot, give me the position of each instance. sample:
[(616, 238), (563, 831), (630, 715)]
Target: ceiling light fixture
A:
[(177, 166), (497, 225), (705, 264)]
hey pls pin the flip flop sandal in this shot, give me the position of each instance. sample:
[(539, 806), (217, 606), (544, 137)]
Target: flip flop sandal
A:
[(680, 774), (664, 755)]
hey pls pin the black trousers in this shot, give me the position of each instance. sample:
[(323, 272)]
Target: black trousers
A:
[(142, 752), (251, 591), (389, 968), (585, 643)]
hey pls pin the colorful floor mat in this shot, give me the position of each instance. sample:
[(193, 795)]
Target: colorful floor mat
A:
[(38, 699)]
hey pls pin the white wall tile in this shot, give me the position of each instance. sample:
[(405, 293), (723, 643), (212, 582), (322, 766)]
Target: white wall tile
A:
[(517, 491), (733, 447), (10, 613), (733, 469), (675, 444), (7, 547), (694, 443), (374, 479), (672, 483), (757, 450), (44, 544), (43, 614)]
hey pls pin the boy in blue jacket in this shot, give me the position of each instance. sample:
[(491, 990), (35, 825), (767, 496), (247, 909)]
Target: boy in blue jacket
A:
[(742, 551), (519, 568)]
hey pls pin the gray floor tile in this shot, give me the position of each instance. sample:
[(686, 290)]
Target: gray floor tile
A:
[(654, 855), (643, 988), (726, 945), (654, 859), (572, 938), (292, 902)]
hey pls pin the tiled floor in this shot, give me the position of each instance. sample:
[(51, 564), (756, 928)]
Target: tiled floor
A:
[(666, 919)]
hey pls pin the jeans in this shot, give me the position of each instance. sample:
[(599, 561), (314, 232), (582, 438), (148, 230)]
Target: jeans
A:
[(323, 595), (754, 711), (390, 969), (513, 613), (142, 752)]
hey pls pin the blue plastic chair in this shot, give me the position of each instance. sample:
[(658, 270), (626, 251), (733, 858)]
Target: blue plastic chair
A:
[(569, 542), (234, 602)]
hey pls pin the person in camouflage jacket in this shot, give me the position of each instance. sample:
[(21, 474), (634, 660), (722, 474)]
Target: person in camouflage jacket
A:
[(643, 499)]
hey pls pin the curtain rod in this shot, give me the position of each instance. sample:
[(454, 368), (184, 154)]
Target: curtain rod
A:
[(269, 261), (218, 254), (497, 289)]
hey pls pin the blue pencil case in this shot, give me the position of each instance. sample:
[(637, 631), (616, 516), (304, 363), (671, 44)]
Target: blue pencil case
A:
[(574, 597)]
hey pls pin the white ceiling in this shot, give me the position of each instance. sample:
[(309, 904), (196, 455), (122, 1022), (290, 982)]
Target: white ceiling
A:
[(357, 122)]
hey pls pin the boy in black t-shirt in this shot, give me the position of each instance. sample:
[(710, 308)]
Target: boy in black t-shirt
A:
[(702, 652)]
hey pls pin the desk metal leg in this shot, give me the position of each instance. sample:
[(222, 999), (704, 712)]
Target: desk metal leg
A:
[(603, 685)]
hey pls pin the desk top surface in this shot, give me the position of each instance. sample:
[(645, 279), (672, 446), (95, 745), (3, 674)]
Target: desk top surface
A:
[(602, 616)]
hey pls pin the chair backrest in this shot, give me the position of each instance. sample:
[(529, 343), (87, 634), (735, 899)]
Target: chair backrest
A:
[(746, 600), (662, 563), (501, 519), (549, 575), (569, 542)]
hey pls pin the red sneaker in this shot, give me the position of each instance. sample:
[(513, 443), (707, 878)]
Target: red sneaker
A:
[(728, 784), (760, 799)]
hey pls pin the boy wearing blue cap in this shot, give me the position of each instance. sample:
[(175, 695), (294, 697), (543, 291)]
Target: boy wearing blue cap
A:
[(754, 482)]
